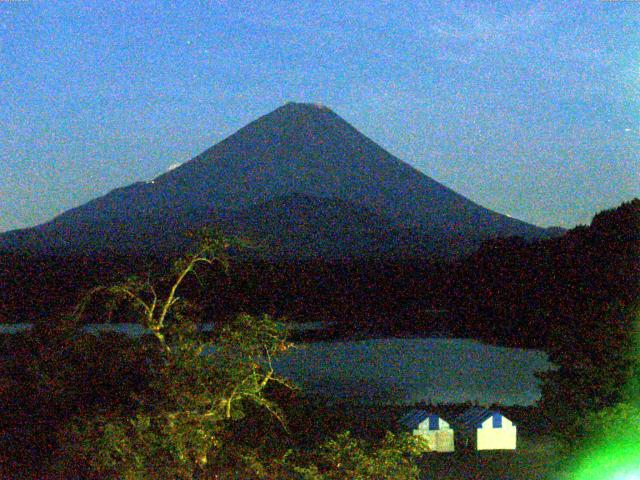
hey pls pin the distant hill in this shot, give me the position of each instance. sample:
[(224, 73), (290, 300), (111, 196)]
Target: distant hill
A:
[(301, 176), (304, 226), (538, 293)]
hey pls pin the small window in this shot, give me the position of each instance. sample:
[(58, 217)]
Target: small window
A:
[(433, 423), (497, 420)]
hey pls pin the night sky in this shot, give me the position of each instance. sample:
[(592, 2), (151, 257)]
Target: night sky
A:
[(528, 108)]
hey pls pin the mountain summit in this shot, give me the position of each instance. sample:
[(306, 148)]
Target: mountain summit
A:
[(299, 155)]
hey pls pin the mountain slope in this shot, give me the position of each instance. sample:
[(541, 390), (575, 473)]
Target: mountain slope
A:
[(304, 226), (296, 149)]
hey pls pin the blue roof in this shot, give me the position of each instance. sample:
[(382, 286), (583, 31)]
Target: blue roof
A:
[(414, 418), (475, 416)]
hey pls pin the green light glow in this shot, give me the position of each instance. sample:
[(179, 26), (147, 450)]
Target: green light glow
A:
[(616, 461), (616, 454)]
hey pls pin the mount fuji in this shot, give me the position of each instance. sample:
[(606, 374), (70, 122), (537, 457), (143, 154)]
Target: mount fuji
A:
[(300, 180)]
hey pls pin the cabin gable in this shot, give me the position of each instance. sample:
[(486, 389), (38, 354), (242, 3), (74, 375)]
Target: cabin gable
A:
[(487, 430), (436, 431)]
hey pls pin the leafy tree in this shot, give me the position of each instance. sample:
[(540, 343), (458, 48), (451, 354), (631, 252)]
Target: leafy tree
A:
[(197, 386), (598, 365)]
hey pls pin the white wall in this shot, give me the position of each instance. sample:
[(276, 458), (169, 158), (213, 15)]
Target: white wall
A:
[(438, 440), (490, 438)]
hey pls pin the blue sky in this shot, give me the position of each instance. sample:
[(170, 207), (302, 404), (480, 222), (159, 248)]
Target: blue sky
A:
[(529, 108)]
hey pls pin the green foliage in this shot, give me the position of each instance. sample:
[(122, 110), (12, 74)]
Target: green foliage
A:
[(197, 387), (609, 424), (346, 457), (143, 446), (598, 366)]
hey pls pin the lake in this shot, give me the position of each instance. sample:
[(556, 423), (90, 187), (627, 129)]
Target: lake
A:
[(398, 370), (406, 371)]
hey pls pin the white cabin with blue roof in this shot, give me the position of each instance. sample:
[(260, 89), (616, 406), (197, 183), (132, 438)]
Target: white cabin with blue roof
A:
[(431, 427), (487, 429)]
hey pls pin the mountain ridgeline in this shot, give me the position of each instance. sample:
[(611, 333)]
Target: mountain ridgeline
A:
[(301, 181)]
